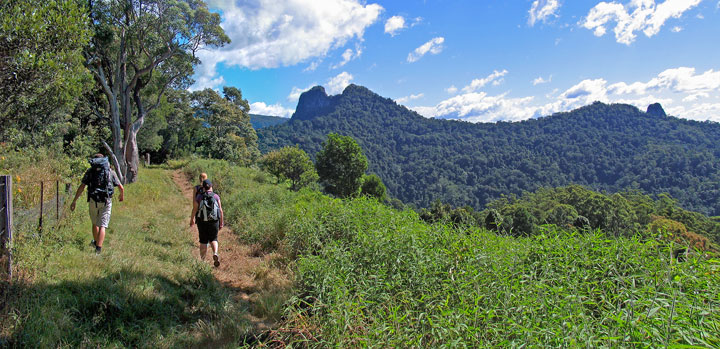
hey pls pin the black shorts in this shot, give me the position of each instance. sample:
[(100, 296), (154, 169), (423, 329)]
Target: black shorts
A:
[(208, 231)]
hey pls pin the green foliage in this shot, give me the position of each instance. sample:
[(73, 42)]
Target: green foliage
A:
[(369, 275), (290, 163), (341, 165), (373, 186), (604, 147), (262, 121), (227, 132), (41, 74), (620, 214)]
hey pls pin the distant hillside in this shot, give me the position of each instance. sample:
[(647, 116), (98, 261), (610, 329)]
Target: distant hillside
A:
[(605, 147), (262, 121)]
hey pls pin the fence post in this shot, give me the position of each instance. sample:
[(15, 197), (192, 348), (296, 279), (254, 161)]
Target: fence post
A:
[(42, 201), (6, 221), (57, 200)]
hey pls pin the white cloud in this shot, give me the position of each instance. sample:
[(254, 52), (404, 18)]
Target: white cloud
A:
[(636, 16), (677, 29), (477, 84), (542, 10), (678, 80), (394, 24), (451, 90), (338, 83), (682, 91), (314, 65), (272, 110), (403, 100), (296, 92), (540, 80), (479, 107), (695, 97), (270, 34), (433, 46), (349, 55)]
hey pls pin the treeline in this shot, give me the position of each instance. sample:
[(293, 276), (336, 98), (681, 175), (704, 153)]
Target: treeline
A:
[(79, 77), (577, 208), (604, 147)]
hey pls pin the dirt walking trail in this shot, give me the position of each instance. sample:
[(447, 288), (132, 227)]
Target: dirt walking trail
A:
[(243, 268)]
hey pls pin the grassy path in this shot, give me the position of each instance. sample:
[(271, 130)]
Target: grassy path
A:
[(147, 288)]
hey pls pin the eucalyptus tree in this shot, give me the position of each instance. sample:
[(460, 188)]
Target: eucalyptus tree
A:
[(140, 48)]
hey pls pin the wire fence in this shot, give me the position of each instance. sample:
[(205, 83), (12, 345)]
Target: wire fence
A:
[(45, 212)]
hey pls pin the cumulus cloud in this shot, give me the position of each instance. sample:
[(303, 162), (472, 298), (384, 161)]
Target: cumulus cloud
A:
[(403, 100), (349, 55), (540, 80), (394, 24), (296, 92), (272, 110), (542, 10), (338, 83), (433, 46), (637, 16), (480, 107), (677, 29), (682, 91), (476, 84), (678, 80), (270, 34), (451, 90)]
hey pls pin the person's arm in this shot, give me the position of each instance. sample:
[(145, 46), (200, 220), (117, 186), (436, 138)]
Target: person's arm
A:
[(122, 192), (222, 216), (194, 212), (79, 191), (116, 182)]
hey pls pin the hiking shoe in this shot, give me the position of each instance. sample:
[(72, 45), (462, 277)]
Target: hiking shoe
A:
[(216, 260), (92, 243)]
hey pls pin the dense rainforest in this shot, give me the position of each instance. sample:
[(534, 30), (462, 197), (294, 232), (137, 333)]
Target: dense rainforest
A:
[(604, 147), (261, 121)]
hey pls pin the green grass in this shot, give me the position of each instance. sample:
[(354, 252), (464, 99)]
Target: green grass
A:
[(368, 275), (144, 290), (365, 275)]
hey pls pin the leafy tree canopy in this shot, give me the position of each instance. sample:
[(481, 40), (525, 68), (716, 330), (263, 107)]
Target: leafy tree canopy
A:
[(341, 165)]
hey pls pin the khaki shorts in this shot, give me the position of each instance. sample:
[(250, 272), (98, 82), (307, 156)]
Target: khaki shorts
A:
[(100, 213)]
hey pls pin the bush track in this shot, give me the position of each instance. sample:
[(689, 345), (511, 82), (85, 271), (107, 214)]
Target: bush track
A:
[(244, 268)]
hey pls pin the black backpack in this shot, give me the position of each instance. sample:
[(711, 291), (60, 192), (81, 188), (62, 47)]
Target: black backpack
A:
[(100, 186), (208, 209)]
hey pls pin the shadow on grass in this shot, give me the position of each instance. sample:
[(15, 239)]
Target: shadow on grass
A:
[(130, 309)]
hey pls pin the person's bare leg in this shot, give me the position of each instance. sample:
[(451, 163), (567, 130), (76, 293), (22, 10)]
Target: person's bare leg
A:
[(216, 259), (100, 237), (95, 232), (203, 251)]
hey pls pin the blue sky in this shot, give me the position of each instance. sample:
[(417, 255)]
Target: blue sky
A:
[(474, 60)]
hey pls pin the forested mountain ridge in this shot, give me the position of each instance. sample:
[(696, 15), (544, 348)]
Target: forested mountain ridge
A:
[(605, 147), (261, 121)]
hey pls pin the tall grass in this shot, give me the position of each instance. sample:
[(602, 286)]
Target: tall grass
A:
[(368, 275), (144, 290)]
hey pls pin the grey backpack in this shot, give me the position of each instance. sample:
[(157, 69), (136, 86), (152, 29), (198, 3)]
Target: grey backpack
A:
[(208, 209)]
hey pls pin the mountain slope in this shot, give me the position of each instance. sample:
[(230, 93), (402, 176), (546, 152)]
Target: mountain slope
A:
[(261, 121), (606, 147)]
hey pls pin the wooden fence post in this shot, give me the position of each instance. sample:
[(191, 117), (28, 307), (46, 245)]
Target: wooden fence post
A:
[(6, 221), (57, 200), (42, 199)]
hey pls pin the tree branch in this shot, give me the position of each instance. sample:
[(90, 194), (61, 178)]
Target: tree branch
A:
[(121, 176)]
